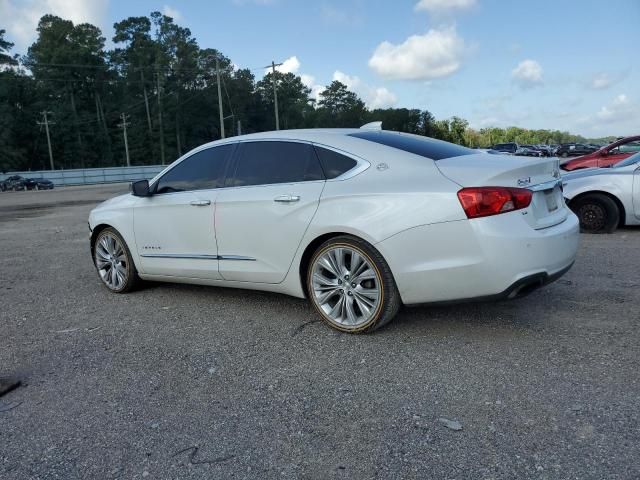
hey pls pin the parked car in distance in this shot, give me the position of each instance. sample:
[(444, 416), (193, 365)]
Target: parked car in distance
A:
[(510, 148), (606, 156), (359, 221), (573, 150), (39, 184), (14, 182), (529, 151), (605, 198)]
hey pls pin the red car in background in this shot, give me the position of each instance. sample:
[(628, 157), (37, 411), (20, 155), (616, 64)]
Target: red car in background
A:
[(606, 156)]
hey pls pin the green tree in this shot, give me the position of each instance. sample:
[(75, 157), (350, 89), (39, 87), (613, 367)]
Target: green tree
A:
[(339, 107)]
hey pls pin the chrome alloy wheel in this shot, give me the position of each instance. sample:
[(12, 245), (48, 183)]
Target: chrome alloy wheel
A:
[(111, 261), (346, 286)]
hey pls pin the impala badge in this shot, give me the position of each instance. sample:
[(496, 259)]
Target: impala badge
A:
[(524, 181)]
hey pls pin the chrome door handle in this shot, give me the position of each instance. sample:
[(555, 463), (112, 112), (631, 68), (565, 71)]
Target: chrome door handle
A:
[(287, 198), (200, 203)]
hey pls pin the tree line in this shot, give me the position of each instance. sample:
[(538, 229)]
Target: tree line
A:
[(163, 85)]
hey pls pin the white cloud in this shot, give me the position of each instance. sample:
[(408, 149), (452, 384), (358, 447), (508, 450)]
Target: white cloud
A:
[(444, 6), (601, 81), (173, 13), (438, 53), (374, 97), (292, 65), (619, 109), (20, 18), (527, 74)]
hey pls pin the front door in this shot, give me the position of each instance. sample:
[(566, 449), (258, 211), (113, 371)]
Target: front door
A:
[(265, 209), (174, 228)]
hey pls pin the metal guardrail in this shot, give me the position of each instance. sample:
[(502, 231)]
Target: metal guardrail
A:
[(92, 176)]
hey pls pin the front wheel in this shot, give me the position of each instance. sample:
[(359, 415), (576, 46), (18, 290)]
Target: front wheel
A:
[(113, 261), (351, 286), (597, 213)]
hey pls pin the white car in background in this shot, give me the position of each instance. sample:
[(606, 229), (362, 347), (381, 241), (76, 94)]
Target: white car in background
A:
[(359, 221), (605, 198)]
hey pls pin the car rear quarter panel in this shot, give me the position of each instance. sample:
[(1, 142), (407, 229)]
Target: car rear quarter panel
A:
[(383, 201)]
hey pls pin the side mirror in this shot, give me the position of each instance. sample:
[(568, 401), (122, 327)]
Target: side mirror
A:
[(140, 188)]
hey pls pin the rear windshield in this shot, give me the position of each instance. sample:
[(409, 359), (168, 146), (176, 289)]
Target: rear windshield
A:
[(423, 146)]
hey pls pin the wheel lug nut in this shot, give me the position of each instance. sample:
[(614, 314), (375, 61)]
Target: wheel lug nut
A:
[(350, 293), (346, 277), (353, 285), (339, 282)]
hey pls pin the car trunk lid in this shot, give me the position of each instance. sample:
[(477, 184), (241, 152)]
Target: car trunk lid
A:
[(540, 175)]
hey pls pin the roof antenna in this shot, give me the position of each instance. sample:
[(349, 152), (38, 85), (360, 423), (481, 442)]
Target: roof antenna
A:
[(372, 126)]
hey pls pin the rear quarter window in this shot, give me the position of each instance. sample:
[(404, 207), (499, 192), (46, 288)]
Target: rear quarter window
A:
[(333, 163), (423, 146)]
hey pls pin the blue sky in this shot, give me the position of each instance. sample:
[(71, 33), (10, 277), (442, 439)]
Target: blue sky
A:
[(565, 64)]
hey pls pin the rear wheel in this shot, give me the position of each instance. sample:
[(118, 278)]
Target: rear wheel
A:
[(351, 286), (597, 213), (113, 262)]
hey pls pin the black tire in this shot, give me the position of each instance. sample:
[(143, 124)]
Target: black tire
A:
[(598, 213), (390, 297), (132, 279)]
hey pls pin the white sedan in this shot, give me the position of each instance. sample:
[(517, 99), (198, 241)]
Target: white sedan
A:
[(604, 198), (359, 221)]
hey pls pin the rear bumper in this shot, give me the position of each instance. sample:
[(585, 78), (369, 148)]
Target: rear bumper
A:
[(482, 259), (520, 288)]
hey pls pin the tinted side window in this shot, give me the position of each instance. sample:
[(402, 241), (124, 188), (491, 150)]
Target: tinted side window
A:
[(423, 146), (333, 163), (264, 163), (200, 171)]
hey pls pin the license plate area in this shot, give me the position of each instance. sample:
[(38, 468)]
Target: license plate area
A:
[(551, 198)]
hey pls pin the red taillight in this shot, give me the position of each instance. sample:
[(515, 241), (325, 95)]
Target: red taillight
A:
[(487, 201)]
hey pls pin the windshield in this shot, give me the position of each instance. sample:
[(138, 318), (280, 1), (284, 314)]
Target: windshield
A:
[(628, 161)]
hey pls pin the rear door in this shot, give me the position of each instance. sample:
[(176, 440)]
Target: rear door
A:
[(265, 209)]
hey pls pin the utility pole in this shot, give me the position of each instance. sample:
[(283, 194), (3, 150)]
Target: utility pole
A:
[(220, 99), (239, 127), (123, 125), (160, 119), (146, 99), (46, 124), (275, 91)]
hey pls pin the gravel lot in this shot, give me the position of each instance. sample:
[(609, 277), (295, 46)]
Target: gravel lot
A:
[(178, 381)]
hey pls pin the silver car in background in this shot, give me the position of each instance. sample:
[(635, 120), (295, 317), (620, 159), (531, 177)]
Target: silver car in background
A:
[(605, 198)]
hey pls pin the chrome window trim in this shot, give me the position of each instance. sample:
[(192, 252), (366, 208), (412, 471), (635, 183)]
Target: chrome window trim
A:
[(361, 164)]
